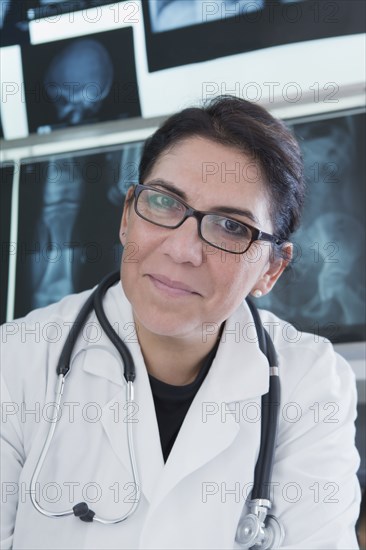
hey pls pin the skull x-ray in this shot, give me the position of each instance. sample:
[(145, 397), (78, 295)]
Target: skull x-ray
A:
[(323, 290), (69, 216), (80, 80), (87, 64)]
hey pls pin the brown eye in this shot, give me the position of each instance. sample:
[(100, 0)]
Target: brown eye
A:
[(233, 227)]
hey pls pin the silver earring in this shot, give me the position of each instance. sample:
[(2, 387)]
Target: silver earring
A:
[(257, 293)]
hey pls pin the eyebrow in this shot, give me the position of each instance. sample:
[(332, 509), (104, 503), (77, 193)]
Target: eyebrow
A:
[(225, 209)]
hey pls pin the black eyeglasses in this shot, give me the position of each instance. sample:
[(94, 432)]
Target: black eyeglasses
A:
[(166, 210)]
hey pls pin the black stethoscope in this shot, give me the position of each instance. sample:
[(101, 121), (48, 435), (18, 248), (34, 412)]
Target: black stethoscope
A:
[(257, 529)]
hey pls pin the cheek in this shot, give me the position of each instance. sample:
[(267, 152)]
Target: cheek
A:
[(234, 285), (139, 244), (237, 276), (226, 277)]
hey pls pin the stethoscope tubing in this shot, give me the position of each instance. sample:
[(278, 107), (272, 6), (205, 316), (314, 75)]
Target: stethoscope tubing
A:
[(127, 361), (270, 414), (46, 446), (63, 368), (39, 465)]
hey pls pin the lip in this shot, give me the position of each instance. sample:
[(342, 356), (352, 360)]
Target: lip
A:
[(174, 288)]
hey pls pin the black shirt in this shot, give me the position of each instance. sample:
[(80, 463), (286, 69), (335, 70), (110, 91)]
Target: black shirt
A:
[(172, 403)]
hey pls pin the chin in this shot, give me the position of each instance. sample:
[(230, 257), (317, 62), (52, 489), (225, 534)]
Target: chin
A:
[(163, 323)]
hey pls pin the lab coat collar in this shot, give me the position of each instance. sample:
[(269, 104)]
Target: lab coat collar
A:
[(150, 461), (239, 372), (119, 313)]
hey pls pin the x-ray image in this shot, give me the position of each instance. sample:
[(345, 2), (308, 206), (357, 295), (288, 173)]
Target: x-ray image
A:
[(69, 216), (323, 290), (51, 8), (181, 32), (80, 80), (83, 61), (7, 248), (15, 15), (14, 28), (172, 14)]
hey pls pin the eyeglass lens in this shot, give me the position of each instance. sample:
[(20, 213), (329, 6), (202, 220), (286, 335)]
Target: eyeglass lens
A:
[(220, 231)]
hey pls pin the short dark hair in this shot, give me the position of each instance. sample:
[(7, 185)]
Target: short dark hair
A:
[(251, 129)]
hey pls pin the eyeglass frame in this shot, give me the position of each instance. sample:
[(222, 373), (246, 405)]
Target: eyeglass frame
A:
[(257, 234)]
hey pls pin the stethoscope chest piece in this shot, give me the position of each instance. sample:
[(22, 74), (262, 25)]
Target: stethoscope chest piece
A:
[(254, 534), (249, 531), (274, 533)]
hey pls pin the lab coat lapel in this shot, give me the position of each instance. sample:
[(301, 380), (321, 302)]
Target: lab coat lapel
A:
[(107, 363), (238, 373), (115, 419)]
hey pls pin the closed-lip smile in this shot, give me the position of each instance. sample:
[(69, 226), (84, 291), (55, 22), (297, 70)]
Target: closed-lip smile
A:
[(162, 281)]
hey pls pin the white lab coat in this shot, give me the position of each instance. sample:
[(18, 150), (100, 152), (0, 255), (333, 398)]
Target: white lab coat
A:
[(195, 500)]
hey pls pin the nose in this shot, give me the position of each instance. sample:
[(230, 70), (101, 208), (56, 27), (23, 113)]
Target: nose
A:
[(184, 244)]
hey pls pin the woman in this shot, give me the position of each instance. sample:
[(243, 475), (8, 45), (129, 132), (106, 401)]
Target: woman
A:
[(209, 180)]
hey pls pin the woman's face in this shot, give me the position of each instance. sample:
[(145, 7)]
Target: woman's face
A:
[(211, 176)]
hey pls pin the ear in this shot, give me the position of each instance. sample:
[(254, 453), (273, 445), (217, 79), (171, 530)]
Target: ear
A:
[(274, 268), (125, 216)]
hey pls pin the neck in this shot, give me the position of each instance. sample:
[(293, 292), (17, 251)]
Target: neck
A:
[(173, 360)]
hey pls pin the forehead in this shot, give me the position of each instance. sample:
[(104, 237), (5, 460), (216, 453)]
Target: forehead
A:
[(210, 173)]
